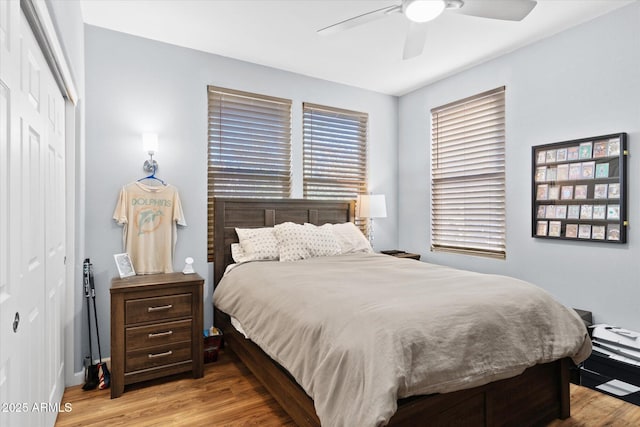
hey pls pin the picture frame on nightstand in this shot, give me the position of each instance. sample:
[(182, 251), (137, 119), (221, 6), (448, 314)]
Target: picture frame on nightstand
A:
[(124, 265)]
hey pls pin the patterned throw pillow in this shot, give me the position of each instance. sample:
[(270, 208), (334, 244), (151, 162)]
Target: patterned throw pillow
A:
[(258, 244), (237, 253), (350, 238), (298, 241)]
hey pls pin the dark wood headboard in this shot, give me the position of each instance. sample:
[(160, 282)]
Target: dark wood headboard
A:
[(230, 213)]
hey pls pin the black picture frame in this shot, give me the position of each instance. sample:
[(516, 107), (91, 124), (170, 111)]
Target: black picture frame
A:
[(602, 164)]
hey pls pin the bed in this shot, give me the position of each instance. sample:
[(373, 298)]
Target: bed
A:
[(533, 397)]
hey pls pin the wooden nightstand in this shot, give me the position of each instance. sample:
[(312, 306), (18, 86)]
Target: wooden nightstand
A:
[(402, 254), (156, 328)]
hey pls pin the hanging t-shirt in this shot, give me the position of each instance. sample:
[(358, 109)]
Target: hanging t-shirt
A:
[(149, 215)]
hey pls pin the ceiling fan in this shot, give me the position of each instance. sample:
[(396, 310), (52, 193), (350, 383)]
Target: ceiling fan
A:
[(419, 12)]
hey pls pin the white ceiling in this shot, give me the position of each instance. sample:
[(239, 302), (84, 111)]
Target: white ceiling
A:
[(282, 34)]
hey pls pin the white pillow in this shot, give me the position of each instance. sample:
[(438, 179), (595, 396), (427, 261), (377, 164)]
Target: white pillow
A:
[(237, 253), (298, 241), (350, 238), (258, 243)]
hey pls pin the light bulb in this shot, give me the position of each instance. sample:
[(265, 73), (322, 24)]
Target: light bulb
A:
[(423, 10), (150, 142)]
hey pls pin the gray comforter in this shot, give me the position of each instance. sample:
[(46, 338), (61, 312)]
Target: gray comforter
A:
[(360, 331)]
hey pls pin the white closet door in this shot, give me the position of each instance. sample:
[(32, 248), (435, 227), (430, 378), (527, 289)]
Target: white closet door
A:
[(32, 224), (11, 356), (55, 232)]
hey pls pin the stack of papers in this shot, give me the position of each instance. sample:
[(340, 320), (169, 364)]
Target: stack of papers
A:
[(617, 343)]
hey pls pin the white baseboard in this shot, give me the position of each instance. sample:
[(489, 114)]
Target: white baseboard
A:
[(77, 379), (106, 360)]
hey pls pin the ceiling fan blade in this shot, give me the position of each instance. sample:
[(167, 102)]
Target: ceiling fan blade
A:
[(414, 43), (360, 19), (506, 10)]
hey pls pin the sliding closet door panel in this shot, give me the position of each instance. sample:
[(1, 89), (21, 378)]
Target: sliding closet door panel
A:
[(32, 211), (13, 356), (54, 242)]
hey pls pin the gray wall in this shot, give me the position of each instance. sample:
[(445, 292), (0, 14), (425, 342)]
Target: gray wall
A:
[(67, 20), (580, 83), (135, 85)]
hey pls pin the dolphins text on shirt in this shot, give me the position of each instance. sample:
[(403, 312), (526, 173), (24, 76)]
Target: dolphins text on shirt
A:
[(141, 201)]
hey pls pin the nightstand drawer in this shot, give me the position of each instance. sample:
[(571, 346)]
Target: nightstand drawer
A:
[(159, 308), (158, 334), (157, 356)]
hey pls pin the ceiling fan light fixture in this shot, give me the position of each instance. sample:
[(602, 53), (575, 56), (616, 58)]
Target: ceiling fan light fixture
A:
[(423, 10)]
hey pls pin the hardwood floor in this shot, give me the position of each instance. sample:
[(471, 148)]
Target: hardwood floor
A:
[(229, 395), (590, 408)]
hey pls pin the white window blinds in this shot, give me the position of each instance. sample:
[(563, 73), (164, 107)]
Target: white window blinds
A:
[(468, 175), (249, 144), (335, 152), (249, 147)]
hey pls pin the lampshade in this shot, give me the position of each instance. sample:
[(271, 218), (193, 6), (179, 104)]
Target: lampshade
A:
[(372, 206), (150, 142), (423, 10)]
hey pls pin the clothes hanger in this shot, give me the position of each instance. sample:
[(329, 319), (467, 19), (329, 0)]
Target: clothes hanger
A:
[(153, 176)]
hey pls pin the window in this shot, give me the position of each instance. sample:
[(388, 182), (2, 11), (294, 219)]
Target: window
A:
[(249, 154), (335, 153), (468, 175)]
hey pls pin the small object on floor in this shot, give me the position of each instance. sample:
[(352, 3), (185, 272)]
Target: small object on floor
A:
[(91, 370), (212, 344), (104, 376), (97, 375), (90, 377)]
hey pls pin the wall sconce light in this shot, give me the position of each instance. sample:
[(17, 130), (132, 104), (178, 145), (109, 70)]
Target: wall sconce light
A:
[(371, 206), (150, 146)]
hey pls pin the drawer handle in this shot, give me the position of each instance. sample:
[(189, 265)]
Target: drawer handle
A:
[(160, 308), (160, 334), (166, 353)]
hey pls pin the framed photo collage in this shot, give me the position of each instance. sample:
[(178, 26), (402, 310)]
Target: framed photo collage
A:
[(579, 189)]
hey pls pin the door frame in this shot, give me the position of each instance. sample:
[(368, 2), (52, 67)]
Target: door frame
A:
[(41, 24)]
